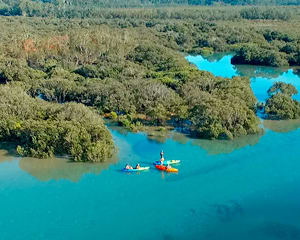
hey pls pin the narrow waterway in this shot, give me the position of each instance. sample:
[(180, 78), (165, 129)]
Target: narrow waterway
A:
[(261, 77)]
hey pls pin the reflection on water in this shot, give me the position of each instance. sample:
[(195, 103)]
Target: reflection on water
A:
[(216, 57), (212, 147), (259, 71), (215, 147), (159, 137), (113, 126), (262, 77), (224, 60), (296, 71), (154, 135), (7, 152), (61, 168), (241, 195), (225, 146), (249, 193), (282, 126), (219, 64), (52, 168)]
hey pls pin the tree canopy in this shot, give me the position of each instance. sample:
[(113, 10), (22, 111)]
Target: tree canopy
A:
[(129, 64), (44, 129), (280, 104), (120, 70)]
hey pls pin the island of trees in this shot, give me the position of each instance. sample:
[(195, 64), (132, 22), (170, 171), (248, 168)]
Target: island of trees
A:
[(281, 105), (59, 76), (43, 129)]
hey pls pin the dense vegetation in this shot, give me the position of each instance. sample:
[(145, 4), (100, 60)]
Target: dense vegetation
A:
[(91, 7), (280, 104), (121, 71), (220, 108), (282, 50), (44, 129), (129, 64), (190, 29)]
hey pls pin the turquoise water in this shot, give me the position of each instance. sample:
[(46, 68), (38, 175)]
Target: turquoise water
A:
[(246, 189), (261, 77)]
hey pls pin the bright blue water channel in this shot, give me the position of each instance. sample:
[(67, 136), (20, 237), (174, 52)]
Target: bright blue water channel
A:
[(261, 77), (246, 189)]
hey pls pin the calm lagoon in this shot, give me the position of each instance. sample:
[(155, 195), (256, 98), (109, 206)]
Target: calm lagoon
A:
[(248, 188)]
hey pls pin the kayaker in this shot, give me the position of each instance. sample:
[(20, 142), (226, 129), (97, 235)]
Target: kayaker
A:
[(128, 167), (138, 166), (168, 166)]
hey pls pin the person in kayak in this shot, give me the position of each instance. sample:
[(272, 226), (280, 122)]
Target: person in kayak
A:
[(137, 166), (128, 167), (162, 159), (168, 166)]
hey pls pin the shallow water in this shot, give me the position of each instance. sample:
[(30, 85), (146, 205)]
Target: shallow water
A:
[(261, 77), (246, 189)]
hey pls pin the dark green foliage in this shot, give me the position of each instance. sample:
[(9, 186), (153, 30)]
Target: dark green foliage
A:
[(275, 35), (197, 30), (17, 70), (223, 119), (134, 78), (280, 105), (156, 101), (58, 89), (108, 95), (220, 108), (280, 49), (284, 88), (91, 8), (264, 13), (128, 61), (104, 8), (257, 55), (153, 57), (42, 129)]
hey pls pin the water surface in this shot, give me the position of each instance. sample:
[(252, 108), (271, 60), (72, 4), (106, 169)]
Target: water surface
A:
[(262, 78), (246, 189), (248, 192)]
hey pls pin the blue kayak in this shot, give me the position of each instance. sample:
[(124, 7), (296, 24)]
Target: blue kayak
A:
[(135, 169), (167, 162)]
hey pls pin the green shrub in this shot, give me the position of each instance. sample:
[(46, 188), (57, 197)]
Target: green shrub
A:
[(44, 129), (280, 104), (113, 115)]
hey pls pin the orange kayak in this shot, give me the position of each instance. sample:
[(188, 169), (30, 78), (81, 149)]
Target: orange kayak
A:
[(164, 168)]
